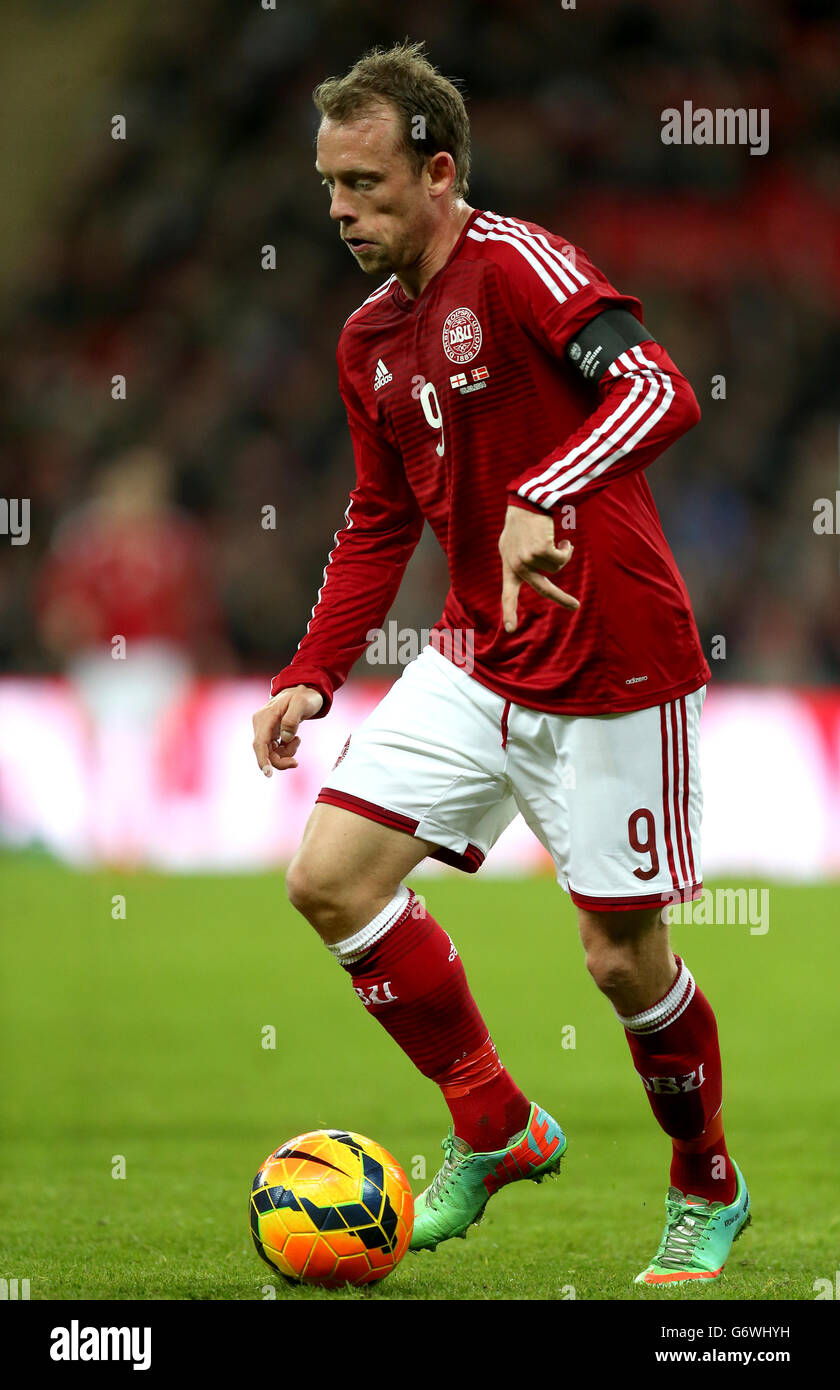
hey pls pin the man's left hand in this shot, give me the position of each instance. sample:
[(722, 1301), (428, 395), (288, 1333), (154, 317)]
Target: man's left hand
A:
[(528, 550)]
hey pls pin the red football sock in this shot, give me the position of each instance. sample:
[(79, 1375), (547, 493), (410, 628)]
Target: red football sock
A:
[(409, 975), (675, 1049)]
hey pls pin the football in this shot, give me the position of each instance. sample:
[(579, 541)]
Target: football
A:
[(331, 1208)]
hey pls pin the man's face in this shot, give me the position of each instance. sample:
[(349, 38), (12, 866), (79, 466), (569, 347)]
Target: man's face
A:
[(379, 199)]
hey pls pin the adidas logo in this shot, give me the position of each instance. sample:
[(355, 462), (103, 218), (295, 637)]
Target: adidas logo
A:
[(382, 376)]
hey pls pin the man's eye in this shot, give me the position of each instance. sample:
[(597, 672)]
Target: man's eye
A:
[(327, 183), (364, 184)]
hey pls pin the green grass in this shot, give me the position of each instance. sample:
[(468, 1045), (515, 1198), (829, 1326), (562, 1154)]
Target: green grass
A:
[(142, 1037)]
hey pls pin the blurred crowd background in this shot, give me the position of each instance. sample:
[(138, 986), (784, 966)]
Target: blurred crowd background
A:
[(142, 257)]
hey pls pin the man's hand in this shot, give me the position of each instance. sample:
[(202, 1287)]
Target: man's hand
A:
[(527, 548), (276, 725)]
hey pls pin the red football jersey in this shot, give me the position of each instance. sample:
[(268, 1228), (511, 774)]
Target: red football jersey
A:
[(462, 401)]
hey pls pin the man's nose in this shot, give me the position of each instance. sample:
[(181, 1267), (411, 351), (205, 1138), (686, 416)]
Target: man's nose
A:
[(341, 208)]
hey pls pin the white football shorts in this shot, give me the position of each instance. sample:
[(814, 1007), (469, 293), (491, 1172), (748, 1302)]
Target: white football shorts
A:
[(615, 799)]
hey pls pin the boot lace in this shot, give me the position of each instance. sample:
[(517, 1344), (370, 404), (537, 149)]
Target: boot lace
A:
[(685, 1228)]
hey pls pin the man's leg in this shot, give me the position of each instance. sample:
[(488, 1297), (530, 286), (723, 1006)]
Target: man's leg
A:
[(672, 1034), (346, 879), (673, 1040), (617, 802)]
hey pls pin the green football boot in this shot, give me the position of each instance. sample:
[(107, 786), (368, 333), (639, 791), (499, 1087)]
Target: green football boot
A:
[(698, 1236), (457, 1195)]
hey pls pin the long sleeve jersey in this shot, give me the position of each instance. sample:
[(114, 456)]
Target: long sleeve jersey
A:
[(463, 401)]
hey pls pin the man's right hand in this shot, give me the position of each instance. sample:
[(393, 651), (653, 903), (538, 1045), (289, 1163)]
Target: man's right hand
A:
[(276, 726)]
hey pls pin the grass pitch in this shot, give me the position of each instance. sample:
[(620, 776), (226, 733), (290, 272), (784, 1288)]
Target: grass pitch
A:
[(139, 1044)]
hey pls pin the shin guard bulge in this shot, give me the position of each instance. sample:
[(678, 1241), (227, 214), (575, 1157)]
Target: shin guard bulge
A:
[(674, 1045), (408, 974)]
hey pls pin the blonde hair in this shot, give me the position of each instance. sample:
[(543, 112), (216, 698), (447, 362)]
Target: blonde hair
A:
[(403, 77)]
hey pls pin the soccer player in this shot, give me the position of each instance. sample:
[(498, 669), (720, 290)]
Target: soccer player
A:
[(500, 388)]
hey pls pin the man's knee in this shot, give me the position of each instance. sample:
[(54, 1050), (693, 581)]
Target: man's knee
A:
[(347, 869), (622, 949), (613, 968), (311, 887), (336, 903)]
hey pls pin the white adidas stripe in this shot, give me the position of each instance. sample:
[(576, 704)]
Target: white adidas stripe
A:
[(568, 272), (678, 813), (566, 475), (608, 433), (553, 261), (528, 255)]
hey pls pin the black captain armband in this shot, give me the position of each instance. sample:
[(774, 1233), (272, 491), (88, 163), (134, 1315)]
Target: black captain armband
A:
[(603, 339)]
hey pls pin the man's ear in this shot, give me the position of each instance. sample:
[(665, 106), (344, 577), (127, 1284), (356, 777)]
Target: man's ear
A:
[(440, 172)]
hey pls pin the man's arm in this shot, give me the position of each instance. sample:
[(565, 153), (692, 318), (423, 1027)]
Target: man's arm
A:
[(641, 404), (644, 404), (382, 526)]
